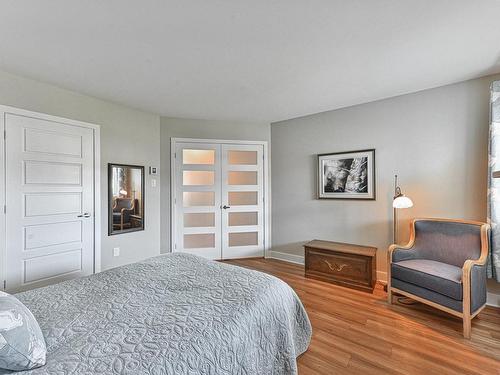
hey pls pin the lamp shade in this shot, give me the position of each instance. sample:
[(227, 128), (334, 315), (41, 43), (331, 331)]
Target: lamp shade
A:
[(402, 202)]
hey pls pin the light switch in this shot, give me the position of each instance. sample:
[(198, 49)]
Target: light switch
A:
[(116, 251), (153, 182)]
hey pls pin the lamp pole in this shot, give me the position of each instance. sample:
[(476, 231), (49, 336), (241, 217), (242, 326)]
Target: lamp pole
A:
[(395, 211)]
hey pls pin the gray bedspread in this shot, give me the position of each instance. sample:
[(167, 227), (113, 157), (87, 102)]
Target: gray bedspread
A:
[(172, 314)]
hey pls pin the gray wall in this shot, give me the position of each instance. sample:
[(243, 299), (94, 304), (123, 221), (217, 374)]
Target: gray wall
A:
[(127, 136), (184, 128), (435, 140)]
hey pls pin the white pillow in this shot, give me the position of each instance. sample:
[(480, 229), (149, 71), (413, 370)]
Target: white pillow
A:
[(22, 346)]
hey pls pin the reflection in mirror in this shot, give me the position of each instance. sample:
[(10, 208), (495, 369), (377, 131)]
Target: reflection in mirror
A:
[(126, 198)]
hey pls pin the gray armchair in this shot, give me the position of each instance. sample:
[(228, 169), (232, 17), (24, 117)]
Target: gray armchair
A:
[(443, 265)]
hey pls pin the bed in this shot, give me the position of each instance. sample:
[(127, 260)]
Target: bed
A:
[(172, 314)]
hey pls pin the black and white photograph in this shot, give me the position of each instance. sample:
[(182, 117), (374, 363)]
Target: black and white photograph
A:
[(347, 175)]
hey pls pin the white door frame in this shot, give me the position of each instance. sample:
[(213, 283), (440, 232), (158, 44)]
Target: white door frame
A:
[(97, 181), (267, 184)]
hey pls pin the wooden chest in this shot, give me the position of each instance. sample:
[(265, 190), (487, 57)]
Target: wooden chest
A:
[(344, 264)]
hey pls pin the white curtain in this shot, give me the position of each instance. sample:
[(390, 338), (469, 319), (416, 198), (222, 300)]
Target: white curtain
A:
[(494, 184)]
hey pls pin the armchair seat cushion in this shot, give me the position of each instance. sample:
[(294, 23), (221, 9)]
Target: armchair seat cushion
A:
[(439, 277)]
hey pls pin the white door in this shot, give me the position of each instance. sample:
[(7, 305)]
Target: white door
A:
[(218, 199), (50, 202), (242, 201), (197, 199)]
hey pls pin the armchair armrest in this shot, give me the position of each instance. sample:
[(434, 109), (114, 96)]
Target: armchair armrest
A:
[(483, 257), (125, 213), (406, 252), (474, 276), (401, 252)]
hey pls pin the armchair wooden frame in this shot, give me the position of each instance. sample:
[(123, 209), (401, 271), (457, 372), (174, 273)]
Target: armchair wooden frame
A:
[(466, 314)]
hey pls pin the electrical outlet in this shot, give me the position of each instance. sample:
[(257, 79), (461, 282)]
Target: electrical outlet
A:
[(116, 251)]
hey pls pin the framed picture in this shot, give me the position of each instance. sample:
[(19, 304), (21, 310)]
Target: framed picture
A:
[(347, 175)]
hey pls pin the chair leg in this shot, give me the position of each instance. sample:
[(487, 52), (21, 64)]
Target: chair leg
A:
[(389, 291), (467, 326)]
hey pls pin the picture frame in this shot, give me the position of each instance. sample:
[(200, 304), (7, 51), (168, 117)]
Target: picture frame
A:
[(347, 175)]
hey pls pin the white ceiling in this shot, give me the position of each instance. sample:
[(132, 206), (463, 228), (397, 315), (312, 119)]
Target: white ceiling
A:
[(255, 60)]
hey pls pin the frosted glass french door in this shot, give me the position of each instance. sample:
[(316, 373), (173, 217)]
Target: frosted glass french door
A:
[(243, 201), (218, 200), (197, 199)]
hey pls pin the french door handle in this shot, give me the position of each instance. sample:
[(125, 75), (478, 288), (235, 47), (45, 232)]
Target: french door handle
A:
[(225, 207), (86, 214)]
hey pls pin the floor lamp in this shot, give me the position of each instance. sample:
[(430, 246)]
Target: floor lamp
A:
[(399, 201)]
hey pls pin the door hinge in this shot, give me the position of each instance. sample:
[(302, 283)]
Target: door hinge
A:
[(175, 246), (175, 155), (5, 285), (4, 208), (4, 135)]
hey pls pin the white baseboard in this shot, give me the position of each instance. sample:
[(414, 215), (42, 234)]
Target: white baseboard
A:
[(292, 258), (382, 277), (493, 299)]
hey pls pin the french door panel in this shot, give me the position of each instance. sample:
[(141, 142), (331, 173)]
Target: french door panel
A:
[(218, 198), (197, 199), (50, 202), (243, 199)]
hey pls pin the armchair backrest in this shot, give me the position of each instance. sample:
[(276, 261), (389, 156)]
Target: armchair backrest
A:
[(121, 203), (447, 241)]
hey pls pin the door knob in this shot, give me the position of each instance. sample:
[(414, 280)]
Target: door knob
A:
[(225, 207), (86, 214)]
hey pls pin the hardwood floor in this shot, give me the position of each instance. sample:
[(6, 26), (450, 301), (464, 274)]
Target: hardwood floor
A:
[(356, 332)]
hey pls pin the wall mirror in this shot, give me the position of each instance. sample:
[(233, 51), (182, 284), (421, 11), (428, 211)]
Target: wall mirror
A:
[(126, 198)]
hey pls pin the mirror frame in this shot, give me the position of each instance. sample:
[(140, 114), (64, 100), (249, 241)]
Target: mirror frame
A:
[(110, 199)]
